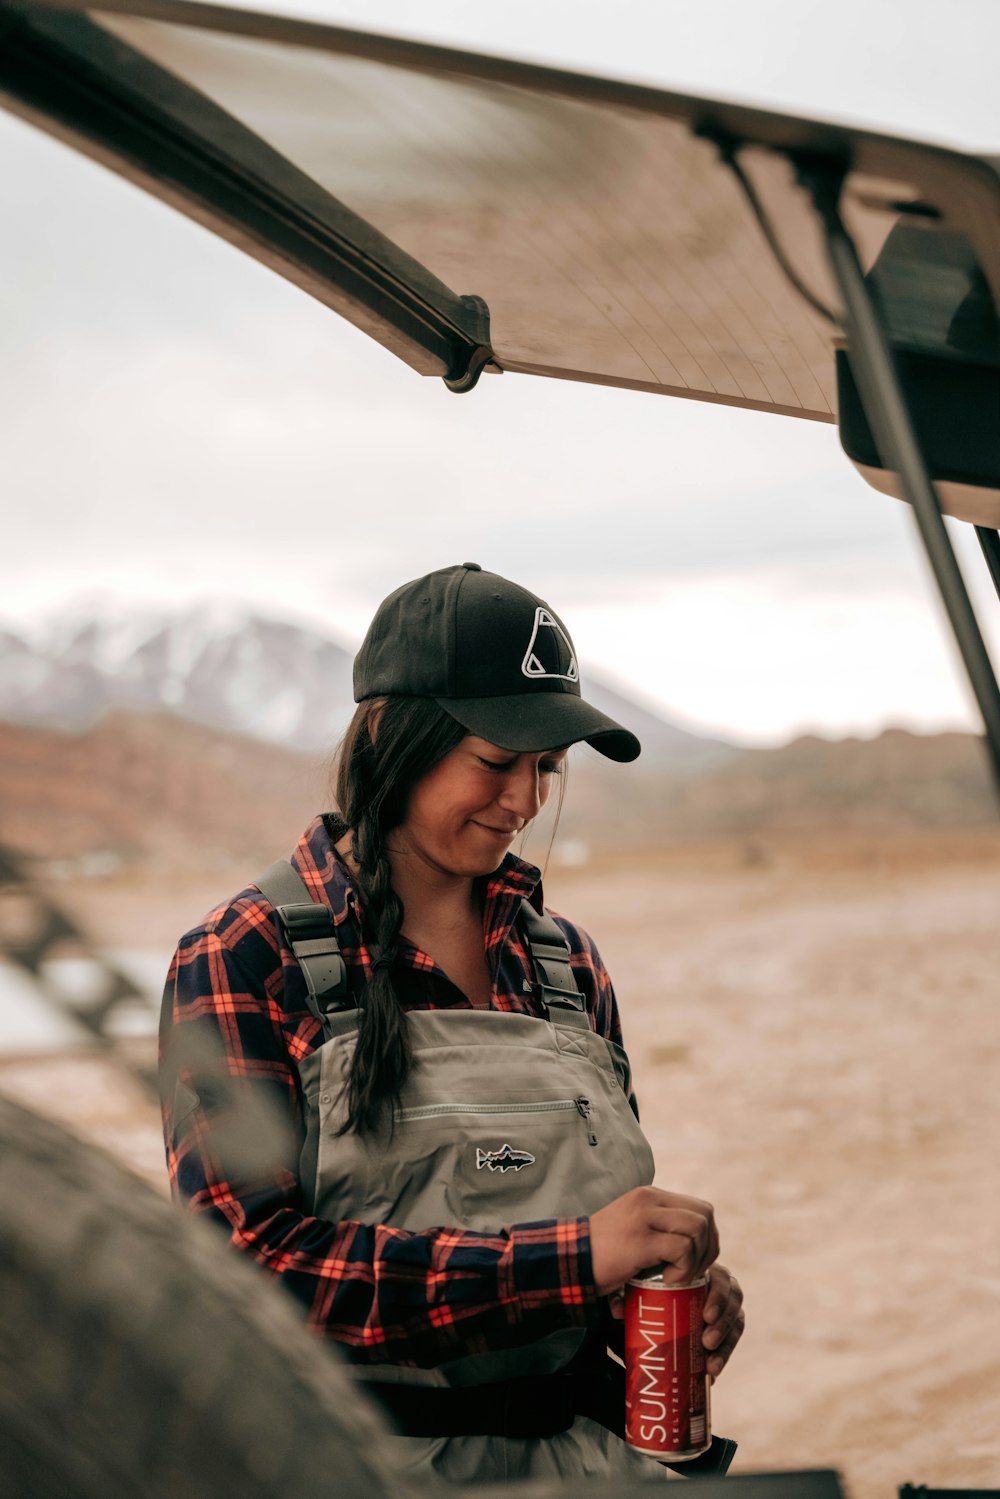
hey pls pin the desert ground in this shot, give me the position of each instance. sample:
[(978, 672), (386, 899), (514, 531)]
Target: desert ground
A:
[(815, 1037)]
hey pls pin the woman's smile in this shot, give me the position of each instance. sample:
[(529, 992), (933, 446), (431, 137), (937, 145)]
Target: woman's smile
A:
[(463, 814)]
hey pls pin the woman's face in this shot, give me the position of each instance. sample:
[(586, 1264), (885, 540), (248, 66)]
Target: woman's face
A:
[(464, 814)]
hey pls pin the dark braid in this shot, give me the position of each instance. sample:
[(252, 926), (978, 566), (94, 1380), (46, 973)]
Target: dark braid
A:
[(390, 744)]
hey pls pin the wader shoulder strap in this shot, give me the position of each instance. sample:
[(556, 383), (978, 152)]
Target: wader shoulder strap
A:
[(309, 931), (554, 982)]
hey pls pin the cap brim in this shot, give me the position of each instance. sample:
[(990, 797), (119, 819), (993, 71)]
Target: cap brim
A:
[(529, 722)]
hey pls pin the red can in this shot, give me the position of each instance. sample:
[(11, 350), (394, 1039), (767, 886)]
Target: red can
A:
[(667, 1412)]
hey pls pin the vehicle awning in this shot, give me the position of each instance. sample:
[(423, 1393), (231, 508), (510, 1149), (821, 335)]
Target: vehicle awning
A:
[(469, 211)]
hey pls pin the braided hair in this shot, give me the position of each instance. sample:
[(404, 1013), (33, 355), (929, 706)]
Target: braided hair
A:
[(390, 744)]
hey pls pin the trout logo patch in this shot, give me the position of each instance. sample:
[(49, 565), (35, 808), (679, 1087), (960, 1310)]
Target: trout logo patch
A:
[(505, 1159)]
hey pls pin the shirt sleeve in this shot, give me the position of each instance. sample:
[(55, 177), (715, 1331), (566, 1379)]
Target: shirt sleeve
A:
[(233, 1129)]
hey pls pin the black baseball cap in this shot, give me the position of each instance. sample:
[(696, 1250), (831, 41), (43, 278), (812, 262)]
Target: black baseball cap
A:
[(493, 655)]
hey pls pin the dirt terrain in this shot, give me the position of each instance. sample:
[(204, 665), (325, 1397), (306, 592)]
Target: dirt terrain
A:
[(814, 1031)]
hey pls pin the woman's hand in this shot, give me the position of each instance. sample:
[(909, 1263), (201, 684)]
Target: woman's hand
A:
[(648, 1227), (724, 1318)]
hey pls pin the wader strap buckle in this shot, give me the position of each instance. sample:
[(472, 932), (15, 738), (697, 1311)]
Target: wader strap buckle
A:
[(555, 986), (309, 931)]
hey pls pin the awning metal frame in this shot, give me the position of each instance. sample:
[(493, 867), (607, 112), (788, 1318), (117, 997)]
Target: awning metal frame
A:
[(102, 97), (885, 403), (886, 408)]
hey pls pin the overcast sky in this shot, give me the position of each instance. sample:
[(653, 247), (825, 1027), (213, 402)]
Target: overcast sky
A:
[(181, 424)]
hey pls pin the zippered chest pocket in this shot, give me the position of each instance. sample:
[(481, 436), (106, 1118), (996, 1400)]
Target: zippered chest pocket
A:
[(484, 1165), (578, 1105)]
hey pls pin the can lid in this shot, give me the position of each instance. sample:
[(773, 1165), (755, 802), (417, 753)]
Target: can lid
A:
[(654, 1279)]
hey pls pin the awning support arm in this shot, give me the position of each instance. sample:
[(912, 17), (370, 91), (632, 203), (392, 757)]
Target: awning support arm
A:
[(989, 540), (878, 383)]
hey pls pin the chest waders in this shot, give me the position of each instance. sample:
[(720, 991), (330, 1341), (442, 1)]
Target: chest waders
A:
[(504, 1119)]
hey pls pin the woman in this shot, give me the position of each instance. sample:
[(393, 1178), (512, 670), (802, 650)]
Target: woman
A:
[(462, 1189)]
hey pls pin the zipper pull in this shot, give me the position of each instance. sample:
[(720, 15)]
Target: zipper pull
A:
[(583, 1109)]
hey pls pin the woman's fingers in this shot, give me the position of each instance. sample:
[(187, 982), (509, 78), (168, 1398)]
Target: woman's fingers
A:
[(723, 1299), (648, 1227), (724, 1318), (676, 1257), (699, 1229), (720, 1358)]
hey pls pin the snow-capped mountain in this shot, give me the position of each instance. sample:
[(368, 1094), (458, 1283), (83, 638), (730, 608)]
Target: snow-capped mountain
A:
[(229, 669), (237, 671)]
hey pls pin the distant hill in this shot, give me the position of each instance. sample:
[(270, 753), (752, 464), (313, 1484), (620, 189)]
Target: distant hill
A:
[(156, 793), (897, 781), (152, 789), (243, 674)]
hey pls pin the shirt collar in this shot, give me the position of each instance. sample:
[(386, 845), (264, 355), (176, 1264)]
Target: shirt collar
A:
[(329, 880)]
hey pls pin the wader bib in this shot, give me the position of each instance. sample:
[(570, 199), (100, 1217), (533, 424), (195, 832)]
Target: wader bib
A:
[(504, 1119)]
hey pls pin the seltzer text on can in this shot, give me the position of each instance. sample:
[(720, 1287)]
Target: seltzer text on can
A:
[(667, 1407)]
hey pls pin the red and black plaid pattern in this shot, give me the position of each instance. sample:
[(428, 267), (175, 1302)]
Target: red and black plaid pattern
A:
[(387, 1295)]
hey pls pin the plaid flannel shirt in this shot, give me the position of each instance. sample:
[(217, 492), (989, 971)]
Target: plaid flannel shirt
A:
[(386, 1295)]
